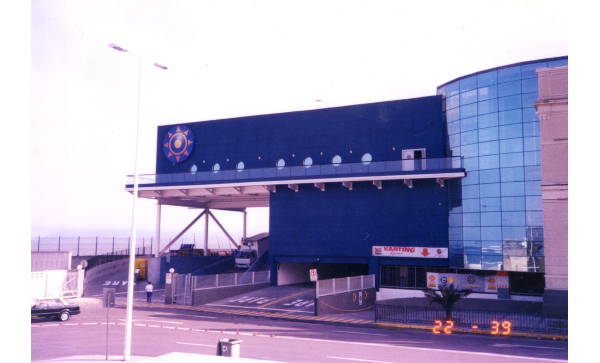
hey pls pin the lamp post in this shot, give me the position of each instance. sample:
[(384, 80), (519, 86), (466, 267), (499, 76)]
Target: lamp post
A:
[(130, 278)]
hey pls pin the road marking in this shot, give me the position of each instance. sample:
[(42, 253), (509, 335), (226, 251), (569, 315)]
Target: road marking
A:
[(154, 326), (112, 323), (70, 323), (169, 327), (197, 316), (180, 328), (259, 308), (421, 349), (89, 323), (250, 334), (139, 324), (358, 360), (198, 329), (356, 332), (47, 325), (282, 299), (524, 346), (156, 321), (229, 332), (197, 344)]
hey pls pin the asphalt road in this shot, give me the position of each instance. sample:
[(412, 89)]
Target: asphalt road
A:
[(159, 331)]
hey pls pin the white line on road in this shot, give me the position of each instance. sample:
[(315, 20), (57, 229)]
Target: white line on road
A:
[(156, 321), (47, 325), (139, 324), (89, 323), (70, 323), (421, 349), (257, 308), (111, 323), (525, 346), (359, 360), (198, 344), (356, 332), (169, 327), (153, 326), (180, 328)]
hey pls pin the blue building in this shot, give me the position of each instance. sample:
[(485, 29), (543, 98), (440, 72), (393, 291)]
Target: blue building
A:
[(446, 183)]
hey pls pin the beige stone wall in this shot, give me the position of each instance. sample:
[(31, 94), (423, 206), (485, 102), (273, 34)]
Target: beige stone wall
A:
[(552, 109)]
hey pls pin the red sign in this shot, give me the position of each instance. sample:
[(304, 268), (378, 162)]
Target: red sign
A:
[(401, 251)]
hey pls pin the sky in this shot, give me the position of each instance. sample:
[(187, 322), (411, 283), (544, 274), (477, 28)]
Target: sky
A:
[(227, 59)]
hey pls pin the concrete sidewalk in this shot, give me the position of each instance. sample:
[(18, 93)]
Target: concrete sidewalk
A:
[(174, 357)]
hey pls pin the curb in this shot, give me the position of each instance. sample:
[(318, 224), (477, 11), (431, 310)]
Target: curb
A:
[(337, 321)]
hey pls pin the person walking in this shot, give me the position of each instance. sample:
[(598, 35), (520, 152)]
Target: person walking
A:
[(149, 290)]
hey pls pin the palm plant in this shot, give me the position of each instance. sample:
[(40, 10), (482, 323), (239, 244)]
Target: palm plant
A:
[(447, 296)]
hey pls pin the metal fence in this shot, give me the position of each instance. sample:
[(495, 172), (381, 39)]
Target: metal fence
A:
[(344, 284), (91, 246), (472, 319), (227, 280)]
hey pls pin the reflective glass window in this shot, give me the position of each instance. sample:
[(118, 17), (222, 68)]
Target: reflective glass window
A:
[(489, 204), (529, 85), (533, 202), (468, 124), (512, 174), (468, 110), (240, 166), (514, 234), (452, 102), (533, 188), (509, 117), (487, 93), (531, 129), (454, 140), (366, 158), (510, 160), (307, 162), (492, 246), (470, 205), (535, 218), (509, 74), (488, 134), (487, 78), (453, 127), (456, 219), (452, 115), (510, 131), (489, 148), (491, 219), (530, 114), (532, 157), (469, 137), (491, 233), (513, 189), (528, 70), (451, 89), (558, 62), (532, 173), (528, 99), (509, 102), (473, 261), (336, 160), (488, 120), (455, 245), (470, 191), (492, 262), (468, 97), (470, 219), (216, 167), (509, 88), (511, 146), (512, 204), (513, 218), (455, 233), (469, 151), (472, 247), (468, 83), (471, 178), (488, 106), (531, 143), (489, 176), (280, 164), (489, 162), (489, 190)]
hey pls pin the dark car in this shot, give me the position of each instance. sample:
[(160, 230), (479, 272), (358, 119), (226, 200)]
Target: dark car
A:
[(55, 308)]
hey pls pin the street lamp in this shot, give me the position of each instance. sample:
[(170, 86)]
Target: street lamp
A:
[(130, 279)]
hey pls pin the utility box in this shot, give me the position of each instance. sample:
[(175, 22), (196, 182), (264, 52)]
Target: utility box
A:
[(229, 348)]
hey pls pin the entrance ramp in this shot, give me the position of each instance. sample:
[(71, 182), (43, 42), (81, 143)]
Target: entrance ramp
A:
[(299, 299)]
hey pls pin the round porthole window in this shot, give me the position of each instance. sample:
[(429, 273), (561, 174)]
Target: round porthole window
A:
[(307, 162), (193, 169), (216, 168), (366, 158), (280, 164), (336, 160), (240, 166)]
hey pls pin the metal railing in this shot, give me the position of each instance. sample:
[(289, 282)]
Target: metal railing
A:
[(287, 172), (344, 284), (200, 282), (472, 319)]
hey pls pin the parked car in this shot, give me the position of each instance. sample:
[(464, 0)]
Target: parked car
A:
[(55, 308)]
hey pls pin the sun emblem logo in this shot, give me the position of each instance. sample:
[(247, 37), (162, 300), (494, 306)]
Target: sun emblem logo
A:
[(178, 143)]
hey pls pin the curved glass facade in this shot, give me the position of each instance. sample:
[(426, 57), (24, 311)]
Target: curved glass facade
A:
[(492, 123)]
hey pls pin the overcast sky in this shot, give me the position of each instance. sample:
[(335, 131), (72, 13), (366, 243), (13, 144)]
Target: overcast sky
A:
[(233, 58)]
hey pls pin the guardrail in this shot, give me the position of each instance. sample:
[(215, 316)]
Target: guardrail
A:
[(200, 282), (344, 284), (91, 246), (495, 323)]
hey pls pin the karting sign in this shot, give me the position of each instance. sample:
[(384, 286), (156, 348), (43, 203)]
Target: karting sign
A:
[(419, 252), (313, 274)]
